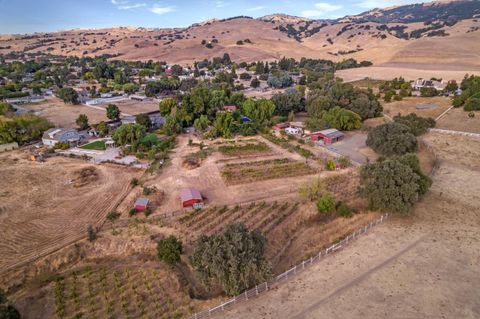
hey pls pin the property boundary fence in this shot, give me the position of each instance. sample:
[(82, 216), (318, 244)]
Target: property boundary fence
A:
[(263, 287), (451, 132)]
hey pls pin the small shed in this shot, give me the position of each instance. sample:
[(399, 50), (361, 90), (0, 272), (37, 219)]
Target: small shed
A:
[(230, 108), (141, 204), (191, 197), (328, 136)]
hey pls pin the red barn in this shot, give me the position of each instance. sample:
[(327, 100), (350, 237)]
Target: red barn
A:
[(328, 136), (141, 204), (191, 198)]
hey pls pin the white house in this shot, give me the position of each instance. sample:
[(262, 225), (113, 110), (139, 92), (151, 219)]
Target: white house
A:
[(65, 135), (293, 130), (421, 83)]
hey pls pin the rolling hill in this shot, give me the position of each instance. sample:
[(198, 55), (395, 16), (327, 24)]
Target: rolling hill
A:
[(445, 34)]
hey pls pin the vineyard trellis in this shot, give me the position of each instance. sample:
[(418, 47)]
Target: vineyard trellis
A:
[(263, 287)]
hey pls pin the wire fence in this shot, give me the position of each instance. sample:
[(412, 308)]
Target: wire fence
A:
[(263, 287)]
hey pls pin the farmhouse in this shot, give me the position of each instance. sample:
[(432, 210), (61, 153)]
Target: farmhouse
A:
[(328, 136), (421, 83), (293, 130), (191, 198), (141, 204), (55, 135)]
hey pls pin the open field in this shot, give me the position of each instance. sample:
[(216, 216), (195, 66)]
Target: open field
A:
[(133, 107), (45, 206), (262, 170), (408, 105), (408, 72), (419, 266), (457, 119), (64, 115)]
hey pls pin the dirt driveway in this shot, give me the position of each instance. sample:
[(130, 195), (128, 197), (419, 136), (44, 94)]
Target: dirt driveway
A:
[(422, 266)]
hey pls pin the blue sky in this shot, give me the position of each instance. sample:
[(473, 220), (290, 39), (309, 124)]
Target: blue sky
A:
[(27, 16)]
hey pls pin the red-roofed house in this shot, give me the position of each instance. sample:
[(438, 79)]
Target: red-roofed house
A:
[(230, 108)]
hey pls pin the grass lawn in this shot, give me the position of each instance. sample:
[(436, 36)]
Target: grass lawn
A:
[(97, 145)]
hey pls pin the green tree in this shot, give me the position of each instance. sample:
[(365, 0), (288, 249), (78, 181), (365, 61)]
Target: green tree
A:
[(23, 128), (223, 124), (130, 88), (68, 95), (259, 111), (290, 100), (428, 91), (113, 112), (392, 185), (201, 124), (255, 83), (326, 203), (234, 258), (391, 139), (91, 233), (342, 119), (166, 106), (7, 310), (169, 250), (171, 126), (82, 121), (417, 125), (131, 134)]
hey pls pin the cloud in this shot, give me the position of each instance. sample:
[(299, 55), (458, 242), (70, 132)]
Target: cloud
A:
[(370, 4), (220, 4), (127, 5), (161, 10), (256, 8), (321, 9)]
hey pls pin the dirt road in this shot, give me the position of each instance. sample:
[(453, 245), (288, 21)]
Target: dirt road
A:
[(422, 266)]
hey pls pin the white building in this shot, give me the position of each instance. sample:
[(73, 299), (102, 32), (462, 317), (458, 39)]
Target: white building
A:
[(55, 135), (293, 130)]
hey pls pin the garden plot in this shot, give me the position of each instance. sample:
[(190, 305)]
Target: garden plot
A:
[(249, 172)]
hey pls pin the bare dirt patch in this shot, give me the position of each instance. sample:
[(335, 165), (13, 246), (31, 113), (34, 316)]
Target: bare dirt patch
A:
[(45, 206), (136, 107), (64, 115)]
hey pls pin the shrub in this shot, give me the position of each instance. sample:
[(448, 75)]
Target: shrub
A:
[(330, 165), (344, 161), (169, 250), (148, 190), (472, 104), (61, 146), (92, 235), (343, 210), (134, 182), (148, 211), (326, 203), (132, 212)]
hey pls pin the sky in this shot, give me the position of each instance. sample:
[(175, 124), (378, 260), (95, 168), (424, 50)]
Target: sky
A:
[(28, 16)]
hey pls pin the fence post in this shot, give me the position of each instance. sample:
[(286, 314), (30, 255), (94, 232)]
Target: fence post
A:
[(234, 299), (246, 296), (256, 289), (266, 284)]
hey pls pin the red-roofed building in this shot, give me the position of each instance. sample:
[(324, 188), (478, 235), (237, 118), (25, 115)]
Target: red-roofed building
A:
[(191, 198), (230, 108)]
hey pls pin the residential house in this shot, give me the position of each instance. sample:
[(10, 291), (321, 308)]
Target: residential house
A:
[(64, 135)]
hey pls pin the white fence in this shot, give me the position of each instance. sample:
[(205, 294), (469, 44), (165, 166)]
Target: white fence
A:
[(263, 287), (477, 135)]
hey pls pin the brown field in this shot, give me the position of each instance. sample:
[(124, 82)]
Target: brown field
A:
[(418, 266), (409, 72), (135, 107), (408, 105), (457, 119), (46, 206), (64, 115)]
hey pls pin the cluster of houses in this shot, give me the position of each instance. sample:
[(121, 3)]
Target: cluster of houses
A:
[(328, 136)]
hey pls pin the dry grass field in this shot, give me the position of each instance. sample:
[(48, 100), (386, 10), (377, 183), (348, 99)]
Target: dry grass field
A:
[(64, 115), (417, 266), (133, 107), (408, 105), (45, 206), (457, 119)]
